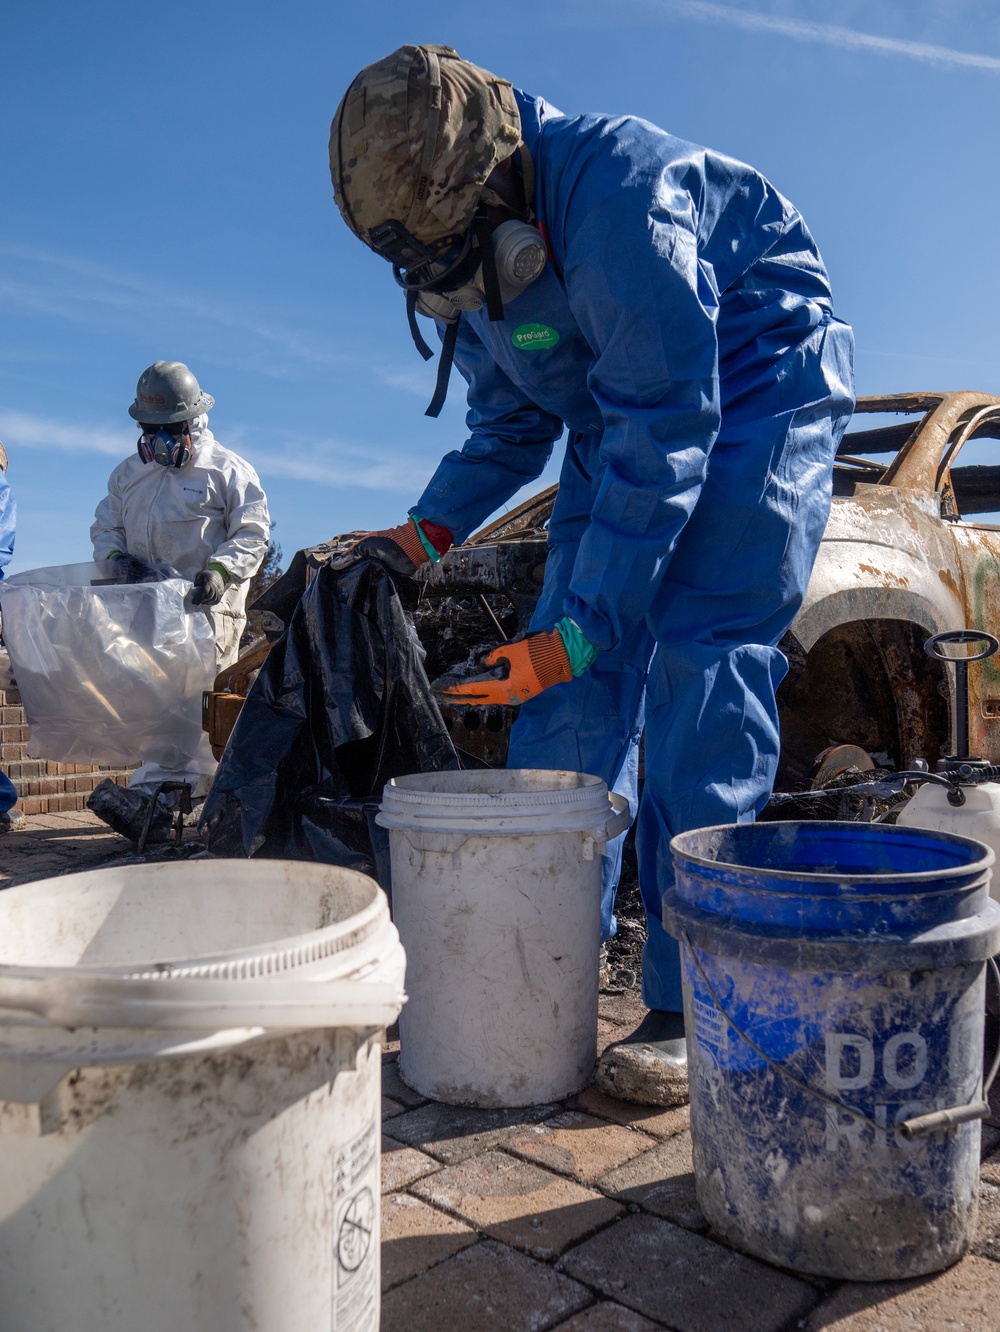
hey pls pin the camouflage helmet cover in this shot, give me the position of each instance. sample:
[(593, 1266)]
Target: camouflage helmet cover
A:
[(414, 139)]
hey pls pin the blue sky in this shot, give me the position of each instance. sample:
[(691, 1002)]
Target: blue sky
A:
[(165, 193)]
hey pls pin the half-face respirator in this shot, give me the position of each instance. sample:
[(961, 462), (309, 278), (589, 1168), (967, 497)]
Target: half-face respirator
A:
[(488, 267), (158, 444)]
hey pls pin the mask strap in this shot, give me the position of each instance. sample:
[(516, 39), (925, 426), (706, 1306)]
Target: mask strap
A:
[(415, 334), (444, 369), (491, 282)]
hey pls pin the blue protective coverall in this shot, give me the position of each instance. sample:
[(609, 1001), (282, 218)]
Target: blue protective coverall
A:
[(683, 333), (8, 518)]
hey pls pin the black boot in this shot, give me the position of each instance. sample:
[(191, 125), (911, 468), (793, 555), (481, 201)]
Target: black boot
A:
[(650, 1066)]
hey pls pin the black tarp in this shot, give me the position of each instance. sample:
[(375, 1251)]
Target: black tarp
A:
[(341, 705)]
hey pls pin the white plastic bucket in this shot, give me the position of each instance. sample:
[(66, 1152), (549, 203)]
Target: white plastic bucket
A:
[(496, 892), (190, 1096)]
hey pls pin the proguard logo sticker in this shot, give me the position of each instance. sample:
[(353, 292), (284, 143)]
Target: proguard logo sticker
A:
[(534, 337)]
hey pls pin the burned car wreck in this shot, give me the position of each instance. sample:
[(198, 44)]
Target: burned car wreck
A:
[(904, 556)]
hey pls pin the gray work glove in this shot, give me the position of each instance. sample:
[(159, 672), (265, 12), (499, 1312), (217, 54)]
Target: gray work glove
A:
[(209, 586), (131, 570)]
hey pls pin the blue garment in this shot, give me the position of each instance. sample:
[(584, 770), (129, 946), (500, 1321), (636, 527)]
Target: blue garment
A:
[(683, 331), (8, 519)]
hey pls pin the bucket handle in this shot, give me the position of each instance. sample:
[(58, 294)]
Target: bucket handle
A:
[(618, 820), (915, 1127)]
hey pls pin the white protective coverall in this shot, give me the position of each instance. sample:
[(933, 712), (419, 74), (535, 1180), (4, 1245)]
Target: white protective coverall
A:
[(210, 511)]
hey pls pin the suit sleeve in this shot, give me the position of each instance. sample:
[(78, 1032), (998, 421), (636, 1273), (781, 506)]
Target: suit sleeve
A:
[(107, 532), (248, 526)]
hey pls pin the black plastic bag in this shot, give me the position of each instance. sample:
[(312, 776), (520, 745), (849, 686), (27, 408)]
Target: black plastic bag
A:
[(341, 705)]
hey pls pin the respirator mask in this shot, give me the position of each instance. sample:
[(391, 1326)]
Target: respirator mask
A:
[(491, 265), (168, 445)]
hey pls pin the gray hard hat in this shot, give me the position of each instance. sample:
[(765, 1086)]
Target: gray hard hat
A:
[(168, 392)]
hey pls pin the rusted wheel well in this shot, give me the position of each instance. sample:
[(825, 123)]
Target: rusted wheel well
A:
[(866, 683)]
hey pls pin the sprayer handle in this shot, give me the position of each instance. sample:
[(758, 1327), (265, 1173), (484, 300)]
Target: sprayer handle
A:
[(962, 636)]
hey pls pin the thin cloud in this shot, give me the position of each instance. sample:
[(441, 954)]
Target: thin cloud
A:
[(24, 430), (73, 288), (825, 34), (325, 463)]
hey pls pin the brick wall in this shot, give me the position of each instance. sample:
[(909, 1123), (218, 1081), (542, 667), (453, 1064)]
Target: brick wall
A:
[(44, 787)]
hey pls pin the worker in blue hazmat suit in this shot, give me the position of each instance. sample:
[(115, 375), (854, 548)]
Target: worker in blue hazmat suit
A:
[(8, 521), (668, 308)]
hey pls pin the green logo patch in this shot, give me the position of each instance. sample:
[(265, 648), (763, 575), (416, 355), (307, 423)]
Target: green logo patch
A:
[(532, 337)]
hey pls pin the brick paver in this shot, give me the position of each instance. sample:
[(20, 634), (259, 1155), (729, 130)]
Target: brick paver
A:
[(46, 845), (415, 1237), (605, 1317), (402, 1165), (579, 1145), (518, 1203), (394, 1086), (649, 1118), (488, 1288), (451, 1133), (661, 1181), (686, 1281), (966, 1298)]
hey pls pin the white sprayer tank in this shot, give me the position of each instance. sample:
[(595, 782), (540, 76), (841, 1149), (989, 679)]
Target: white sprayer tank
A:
[(978, 818), (189, 1098), (496, 892)]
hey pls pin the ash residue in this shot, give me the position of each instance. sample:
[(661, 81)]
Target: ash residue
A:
[(456, 631), (625, 949)]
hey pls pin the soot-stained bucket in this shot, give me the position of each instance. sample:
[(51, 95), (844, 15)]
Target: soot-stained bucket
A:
[(834, 980)]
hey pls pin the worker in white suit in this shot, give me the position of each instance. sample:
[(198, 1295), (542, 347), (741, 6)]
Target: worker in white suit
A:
[(185, 501)]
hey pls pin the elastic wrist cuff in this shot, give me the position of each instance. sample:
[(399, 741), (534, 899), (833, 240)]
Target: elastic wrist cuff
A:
[(580, 650), (434, 538), (221, 570)]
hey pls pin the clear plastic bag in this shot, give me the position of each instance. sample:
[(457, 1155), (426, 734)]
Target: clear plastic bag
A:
[(109, 672)]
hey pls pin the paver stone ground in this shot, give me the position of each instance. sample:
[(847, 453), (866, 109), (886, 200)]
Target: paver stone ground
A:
[(415, 1237), (488, 1288), (394, 1086), (579, 1145), (518, 1203), (685, 1281), (605, 1317), (660, 1181), (648, 1118), (452, 1132), (966, 1298), (401, 1165)]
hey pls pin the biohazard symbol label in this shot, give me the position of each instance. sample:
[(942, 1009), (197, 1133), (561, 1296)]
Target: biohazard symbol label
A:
[(356, 1228)]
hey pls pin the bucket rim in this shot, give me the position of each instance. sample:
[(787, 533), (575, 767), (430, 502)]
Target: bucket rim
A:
[(272, 957), (415, 789), (977, 866)]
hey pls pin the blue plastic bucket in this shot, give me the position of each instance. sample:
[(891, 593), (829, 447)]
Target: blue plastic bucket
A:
[(834, 980)]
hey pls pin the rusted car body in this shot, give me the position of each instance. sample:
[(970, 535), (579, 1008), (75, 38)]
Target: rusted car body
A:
[(905, 555)]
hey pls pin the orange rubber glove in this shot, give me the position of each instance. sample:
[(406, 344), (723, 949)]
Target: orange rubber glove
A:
[(521, 670), (401, 549)]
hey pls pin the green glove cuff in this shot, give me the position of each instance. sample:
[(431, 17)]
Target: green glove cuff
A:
[(580, 650), (432, 554), (223, 573)]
